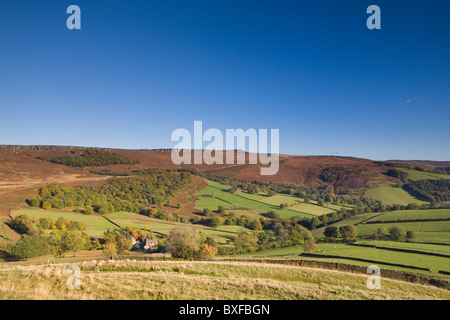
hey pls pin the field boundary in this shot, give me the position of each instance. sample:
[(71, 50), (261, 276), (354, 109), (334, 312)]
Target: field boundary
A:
[(329, 256), (400, 250), (405, 221), (417, 278)]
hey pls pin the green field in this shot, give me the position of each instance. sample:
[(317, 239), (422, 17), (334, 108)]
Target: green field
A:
[(252, 214), (391, 195), (213, 187), (355, 220), (443, 249), (428, 231), (212, 203), (259, 203), (432, 231), (278, 199), (414, 214), (311, 209), (239, 200), (416, 175), (95, 224), (243, 200), (345, 252), (222, 234), (410, 259)]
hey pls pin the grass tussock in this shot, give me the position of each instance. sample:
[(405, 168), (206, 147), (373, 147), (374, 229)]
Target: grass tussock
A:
[(198, 280)]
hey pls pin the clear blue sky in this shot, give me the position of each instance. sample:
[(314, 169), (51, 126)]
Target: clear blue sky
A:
[(137, 70)]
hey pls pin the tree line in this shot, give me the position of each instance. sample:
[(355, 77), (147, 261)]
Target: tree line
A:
[(118, 194), (93, 158)]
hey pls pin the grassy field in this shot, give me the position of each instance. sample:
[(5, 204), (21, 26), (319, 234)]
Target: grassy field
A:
[(260, 203), (416, 175), (213, 187), (199, 280), (409, 259), (212, 203), (425, 231), (345, 252), (243, 200), (355, 220), (222, 234), (430, 231), (311, 209), (278, 199), (390, 194), (95, 224), (414, 214)]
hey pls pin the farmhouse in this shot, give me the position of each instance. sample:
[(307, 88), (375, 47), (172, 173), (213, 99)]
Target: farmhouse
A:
[(147, 245)]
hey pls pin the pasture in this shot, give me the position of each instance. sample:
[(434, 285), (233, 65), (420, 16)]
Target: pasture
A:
[(217, 195), (429, 231), (311, 209), (95, 224), (222, 235), (390, 194), (416, 175), (413, 214), (173, 280), (350, 254)]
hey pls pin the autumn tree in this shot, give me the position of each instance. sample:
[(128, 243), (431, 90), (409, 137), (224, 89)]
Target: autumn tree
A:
[(208, 252), (348, 231), (309, 246), (183, 242), (245, 241)]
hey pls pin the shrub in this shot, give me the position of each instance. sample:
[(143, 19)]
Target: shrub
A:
[(30, 247), (183, 242), (397, 233), (331, 232), (208, 252), (309, 246)]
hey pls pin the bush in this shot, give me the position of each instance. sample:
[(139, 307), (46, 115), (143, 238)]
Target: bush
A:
[(331, 232), (309, 246), (208, 252), (215, 222), (397, 233), (207, 212), (183, 242), (348, 231), (30, 247), (410, 235)]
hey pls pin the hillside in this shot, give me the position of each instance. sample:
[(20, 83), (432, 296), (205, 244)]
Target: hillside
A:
[(22, 167), (200, 280)]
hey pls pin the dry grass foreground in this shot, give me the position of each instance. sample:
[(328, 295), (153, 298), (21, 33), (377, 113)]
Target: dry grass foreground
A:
[(198, 280)]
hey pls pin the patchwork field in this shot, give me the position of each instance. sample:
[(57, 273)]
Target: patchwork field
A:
[(243, 200), (391, 195), (343, 253), (432, 231), (413, 214), (97, 224), (216, 195), (279, 199), (311, 209)]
